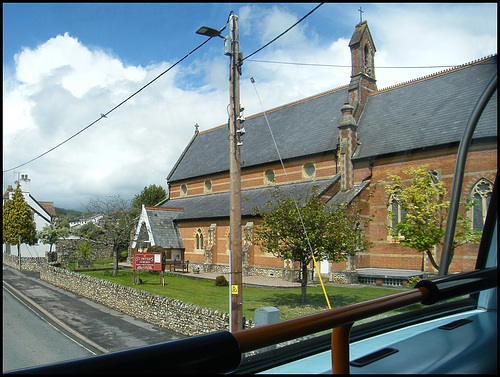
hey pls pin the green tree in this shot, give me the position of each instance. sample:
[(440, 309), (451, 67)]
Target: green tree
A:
[(116, 225), (332, 233), (150, 196), (88, 230), (84, 249), (52, 232), (422, 199), (17, 224)]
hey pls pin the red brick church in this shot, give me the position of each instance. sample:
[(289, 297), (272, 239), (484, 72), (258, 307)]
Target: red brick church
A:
[(344, 141)]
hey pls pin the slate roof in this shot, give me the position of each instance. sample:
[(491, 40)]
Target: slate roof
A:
[(427, 113), (165, 232), (216, 205), (346, 197), (423, 113), (307, 127)]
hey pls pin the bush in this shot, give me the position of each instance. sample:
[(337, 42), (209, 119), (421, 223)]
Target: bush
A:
[(221, 281), (412, 281), (122, 256), (156, 249)]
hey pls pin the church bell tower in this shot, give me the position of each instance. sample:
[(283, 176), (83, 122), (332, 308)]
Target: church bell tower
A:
[(363, 68)]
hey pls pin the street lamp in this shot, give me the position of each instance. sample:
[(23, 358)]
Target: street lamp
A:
[(209, 32), (231, 48)]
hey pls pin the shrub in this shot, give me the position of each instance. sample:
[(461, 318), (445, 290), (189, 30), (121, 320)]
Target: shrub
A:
[(155, 249), (122, 257), (412, 281), (221, 281)]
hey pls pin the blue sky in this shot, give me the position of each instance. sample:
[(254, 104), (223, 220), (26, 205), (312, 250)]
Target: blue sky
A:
[(64, 64)]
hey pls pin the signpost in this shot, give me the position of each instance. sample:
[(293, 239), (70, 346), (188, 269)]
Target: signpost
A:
[(146, 262)]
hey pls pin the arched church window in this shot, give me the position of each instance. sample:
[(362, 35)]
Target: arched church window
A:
[(199, 239), (367, 60), (480, 196), (396, 215)]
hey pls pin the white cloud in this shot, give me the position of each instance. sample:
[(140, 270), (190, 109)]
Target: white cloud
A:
[(78, 69), (429, 35), (62, 85)]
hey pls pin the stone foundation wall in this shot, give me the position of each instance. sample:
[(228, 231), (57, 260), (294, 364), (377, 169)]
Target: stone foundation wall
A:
[(343, 277), (287, 274)]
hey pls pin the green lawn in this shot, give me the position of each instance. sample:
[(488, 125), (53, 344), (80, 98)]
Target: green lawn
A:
[(206, 294)]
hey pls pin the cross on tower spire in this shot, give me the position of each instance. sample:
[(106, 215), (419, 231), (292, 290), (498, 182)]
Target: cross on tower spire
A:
[(361, 14)]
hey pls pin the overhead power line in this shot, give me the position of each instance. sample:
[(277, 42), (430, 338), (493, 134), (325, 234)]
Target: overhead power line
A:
[(349, 66), (286, 31), (104, 115), (110, 111)]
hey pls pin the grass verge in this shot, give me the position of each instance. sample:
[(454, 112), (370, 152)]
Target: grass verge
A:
[(206, 294)]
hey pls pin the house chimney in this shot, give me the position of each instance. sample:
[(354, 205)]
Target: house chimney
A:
[(24, 184), (347, 142)]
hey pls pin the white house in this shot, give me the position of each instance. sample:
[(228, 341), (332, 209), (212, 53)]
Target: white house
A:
[(43, 214)]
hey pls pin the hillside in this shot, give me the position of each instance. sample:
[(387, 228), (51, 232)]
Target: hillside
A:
[(68, 212)]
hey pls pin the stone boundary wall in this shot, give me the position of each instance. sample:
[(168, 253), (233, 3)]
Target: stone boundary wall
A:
[(27, 264), (66, 249), (174, 315)]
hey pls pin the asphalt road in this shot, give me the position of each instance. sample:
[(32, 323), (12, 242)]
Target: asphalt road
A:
[(94, 326), (31, 339)]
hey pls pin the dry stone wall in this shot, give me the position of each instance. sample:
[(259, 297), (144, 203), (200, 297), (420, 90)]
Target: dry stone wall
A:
[(174, 315)]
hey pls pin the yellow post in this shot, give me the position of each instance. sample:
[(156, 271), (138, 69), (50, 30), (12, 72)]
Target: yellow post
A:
[(321, 280)]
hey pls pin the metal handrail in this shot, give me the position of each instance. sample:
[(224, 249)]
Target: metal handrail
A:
[(266, 335), (341, 319), (221, 352)]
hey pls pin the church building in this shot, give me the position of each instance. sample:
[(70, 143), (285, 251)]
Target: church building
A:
[(345, 141)]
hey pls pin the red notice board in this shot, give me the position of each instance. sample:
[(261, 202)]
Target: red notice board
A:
[(147, 262)]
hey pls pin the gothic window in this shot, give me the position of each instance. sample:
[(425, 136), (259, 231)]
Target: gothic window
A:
[(480, 196), (396, 215), (184, 190), (199, 239), (367, 60)]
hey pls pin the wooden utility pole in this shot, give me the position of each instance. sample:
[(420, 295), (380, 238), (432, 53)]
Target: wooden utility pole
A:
[(235, 181)]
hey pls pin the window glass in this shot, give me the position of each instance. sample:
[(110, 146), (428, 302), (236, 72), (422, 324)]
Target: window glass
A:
[(480, 195), (208, 186), (269, 176), (309, 170)]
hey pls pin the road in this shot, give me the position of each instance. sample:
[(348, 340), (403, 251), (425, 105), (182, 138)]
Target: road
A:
[(31, 339), (90, 325)]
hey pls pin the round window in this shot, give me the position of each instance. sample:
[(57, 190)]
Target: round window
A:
[(309, 170), (269, 176)]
